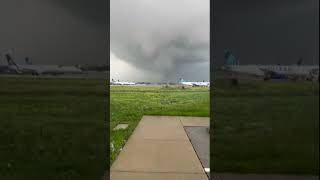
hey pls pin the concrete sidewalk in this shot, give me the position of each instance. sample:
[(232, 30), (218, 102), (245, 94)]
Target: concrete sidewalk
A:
[(159, 148)]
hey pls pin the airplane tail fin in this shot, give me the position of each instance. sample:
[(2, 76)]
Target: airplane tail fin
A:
[(181, 80), (11, 62), (299, 61), (229, 58), (28, 61)]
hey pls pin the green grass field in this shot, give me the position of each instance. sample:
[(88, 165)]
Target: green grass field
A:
[(266, 127), (259, 127), (52, 129)]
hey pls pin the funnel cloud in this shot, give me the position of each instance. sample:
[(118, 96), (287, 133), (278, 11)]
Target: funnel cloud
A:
[(159, 40)]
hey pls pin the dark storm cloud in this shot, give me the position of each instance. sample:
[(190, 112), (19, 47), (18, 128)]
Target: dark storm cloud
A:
[(55, 31), (266, 32), (162, 36), (93, 11)]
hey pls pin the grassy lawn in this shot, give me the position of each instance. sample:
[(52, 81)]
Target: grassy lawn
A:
[(130, 103), (266, 127), (52, 129)]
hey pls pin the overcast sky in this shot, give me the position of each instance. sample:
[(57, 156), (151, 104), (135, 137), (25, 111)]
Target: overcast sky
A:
[(66, 32), (167, 39), (160, 40), (154, 40), (267, 32)]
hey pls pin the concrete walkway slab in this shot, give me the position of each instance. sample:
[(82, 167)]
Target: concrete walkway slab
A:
[(155, 176), (159, 129), (195, 121), (160, 120), (158, 156), (159, 148)]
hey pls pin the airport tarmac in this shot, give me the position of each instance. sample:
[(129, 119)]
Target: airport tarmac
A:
[(159, 148)]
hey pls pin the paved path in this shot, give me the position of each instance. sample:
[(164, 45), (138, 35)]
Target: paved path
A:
[(200, 140), (159, 149)]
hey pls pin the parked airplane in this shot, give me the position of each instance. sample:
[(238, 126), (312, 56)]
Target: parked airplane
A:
[(113, 82), (29, 68), (203, 83), (294, 72), (3, 66)]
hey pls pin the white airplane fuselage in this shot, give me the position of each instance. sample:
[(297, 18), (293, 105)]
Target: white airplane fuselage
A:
[(38, 69), (122, 83), (195, 83), (45, 69), (260, 70), (296, 71)]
